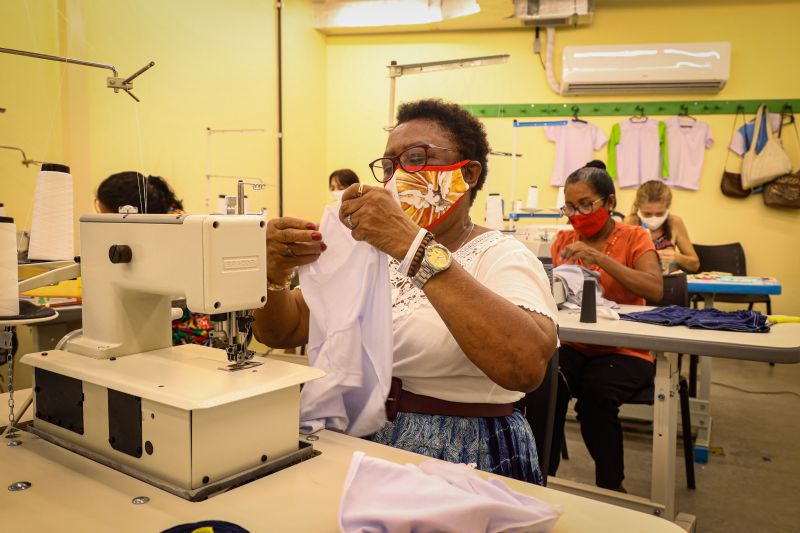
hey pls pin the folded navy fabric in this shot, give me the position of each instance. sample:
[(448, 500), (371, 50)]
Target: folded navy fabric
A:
[(673, 315), (744, 321)]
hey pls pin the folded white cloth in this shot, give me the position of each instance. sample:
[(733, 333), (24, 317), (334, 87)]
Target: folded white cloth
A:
[(350, 334), (436, 496)]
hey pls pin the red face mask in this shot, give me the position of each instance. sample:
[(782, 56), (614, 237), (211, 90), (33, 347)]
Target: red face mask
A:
[(589, 225)]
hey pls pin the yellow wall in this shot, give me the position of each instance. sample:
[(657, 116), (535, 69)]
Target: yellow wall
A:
[(358, 92), (215, 67), (29, 90)]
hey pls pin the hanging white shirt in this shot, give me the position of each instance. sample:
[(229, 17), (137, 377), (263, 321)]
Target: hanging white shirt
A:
[(350, 333), (575, 146), (687, 141), (637, 152), (426, 355)]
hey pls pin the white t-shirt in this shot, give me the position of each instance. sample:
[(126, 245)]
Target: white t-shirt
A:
[(426, 355), (637, 152), (575, 144), (738, 144), (687, 141)]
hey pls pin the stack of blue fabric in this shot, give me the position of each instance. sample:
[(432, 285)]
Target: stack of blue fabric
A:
[(674, 315)]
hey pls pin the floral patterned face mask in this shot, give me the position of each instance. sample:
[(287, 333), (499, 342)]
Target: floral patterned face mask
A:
[(429, 194)]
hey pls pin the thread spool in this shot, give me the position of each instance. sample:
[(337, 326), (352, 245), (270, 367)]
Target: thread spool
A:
[(51, 225), (533, 197), (589, 302), (560, 200), (494, 211), (222, 204), (9, 293)]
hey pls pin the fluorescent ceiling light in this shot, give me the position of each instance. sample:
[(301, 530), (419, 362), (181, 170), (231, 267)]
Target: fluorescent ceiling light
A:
[(373, 13)]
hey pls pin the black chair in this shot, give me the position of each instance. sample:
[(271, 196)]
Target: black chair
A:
[(676, 292), (543, 410), (724, 258), (729, 258)]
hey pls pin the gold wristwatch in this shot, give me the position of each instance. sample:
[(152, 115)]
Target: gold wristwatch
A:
[(436, 259)]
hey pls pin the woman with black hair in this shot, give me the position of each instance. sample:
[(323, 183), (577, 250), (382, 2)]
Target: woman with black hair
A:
[(339, 181), (148, 194), (473, 318), (601, 377)]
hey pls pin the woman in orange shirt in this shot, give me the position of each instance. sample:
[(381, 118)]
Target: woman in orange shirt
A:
[(603, 377)]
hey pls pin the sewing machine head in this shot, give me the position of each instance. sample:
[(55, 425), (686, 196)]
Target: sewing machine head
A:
[(133, 266), (121, 394)]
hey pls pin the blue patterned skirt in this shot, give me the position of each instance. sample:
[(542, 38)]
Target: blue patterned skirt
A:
[(501, 445)]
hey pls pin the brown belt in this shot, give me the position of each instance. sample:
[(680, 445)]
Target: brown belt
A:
[(400, 400)]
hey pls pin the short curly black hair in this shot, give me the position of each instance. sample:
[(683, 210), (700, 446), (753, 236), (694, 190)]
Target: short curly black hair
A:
[(466, 131)]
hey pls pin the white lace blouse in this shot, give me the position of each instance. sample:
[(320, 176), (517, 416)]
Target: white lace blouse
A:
[(427, 357)]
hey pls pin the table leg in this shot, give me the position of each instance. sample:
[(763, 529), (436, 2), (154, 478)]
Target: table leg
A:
[(665, 422)]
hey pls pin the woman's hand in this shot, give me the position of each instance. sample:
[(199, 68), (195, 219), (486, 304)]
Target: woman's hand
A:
[(374, 216), (667, 255), (580, 251), (291, 243)]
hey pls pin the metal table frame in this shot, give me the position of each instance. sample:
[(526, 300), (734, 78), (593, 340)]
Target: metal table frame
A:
[(781, 345)]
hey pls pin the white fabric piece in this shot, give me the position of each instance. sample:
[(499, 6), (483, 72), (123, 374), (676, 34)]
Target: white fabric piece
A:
[(573, 277), (738, 144), (575, 145), (687, 141), (427, 357), (350, 334), (383, 497), (405, 264)]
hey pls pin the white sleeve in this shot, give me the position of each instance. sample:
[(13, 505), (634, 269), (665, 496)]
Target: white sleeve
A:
[(599, 138), (512, 271), (709, 140), (737, 143), (551, 133)]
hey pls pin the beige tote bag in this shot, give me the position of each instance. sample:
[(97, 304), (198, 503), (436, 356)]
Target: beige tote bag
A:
[(771, 162)]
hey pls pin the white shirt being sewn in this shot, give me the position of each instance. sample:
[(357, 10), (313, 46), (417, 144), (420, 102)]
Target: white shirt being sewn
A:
[(350, 334), (426, 355)]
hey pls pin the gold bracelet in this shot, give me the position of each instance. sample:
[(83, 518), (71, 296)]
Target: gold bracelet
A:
[(286, 285)]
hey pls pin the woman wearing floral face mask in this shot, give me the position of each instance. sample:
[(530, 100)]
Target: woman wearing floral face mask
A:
[(473, 319), (601, 377), (669, 233)]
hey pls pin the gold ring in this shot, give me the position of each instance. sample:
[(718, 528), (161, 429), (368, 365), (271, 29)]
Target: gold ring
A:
[(360, 190)]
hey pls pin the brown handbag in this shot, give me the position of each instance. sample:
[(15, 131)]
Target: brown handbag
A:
[(731, 184), (785, 191)]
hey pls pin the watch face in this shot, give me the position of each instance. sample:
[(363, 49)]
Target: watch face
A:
[(438, 257)]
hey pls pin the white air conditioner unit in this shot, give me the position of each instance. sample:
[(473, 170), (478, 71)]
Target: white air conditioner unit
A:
[(646, 68)]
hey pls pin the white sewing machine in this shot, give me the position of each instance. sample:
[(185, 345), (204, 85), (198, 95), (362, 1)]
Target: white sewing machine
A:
[(190, 419), (539, 237)]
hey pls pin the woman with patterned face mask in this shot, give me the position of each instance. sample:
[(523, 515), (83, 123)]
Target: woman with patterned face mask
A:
[(473, 318), (668, 231), (601, 377)]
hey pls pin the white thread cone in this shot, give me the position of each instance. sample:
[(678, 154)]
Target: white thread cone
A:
[(533, 197), (9, 293), (494, 212), (51, 226)]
